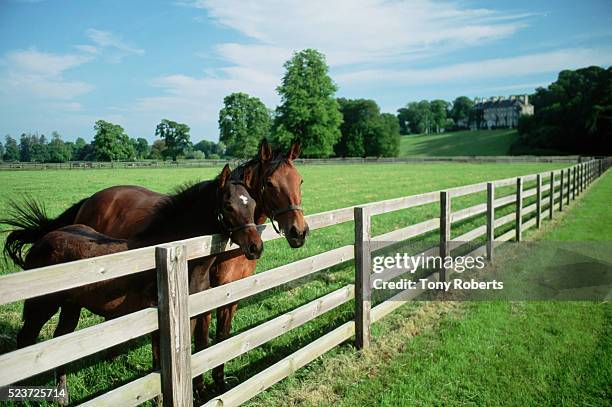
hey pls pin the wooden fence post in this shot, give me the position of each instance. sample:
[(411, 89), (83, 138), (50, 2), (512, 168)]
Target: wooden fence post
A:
[(490, 219), (574, 183), (569, 187), (519, 209), (552, 195), (445, 230), (561, 192), (174, 330), (363, 292), (539, 201)]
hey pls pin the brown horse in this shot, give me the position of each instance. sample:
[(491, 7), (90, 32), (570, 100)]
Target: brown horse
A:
[(123, 212), (210, 207)]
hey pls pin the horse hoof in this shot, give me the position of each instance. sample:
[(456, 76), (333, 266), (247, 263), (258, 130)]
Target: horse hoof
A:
[(199, 393), (62, 390), (220, 386), (63, 399)]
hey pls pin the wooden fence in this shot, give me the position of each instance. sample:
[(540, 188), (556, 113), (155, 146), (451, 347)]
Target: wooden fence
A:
[(176, 306), (83, 165)]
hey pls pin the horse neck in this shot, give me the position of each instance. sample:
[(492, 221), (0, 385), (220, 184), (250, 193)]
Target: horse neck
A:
[(182, 218)]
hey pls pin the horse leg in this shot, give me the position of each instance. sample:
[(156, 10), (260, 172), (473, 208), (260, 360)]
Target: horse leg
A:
[(68, 321), (224, 324), (36, 312)]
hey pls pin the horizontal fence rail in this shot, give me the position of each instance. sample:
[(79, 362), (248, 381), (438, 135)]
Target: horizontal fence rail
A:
[(84, 165), (534, 196)]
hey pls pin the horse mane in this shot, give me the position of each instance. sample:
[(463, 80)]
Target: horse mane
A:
[(183, 200), (278, 158)]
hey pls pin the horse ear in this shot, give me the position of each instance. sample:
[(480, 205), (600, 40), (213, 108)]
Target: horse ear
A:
[(247, 176), (224, 176), (265, 151), (294, 150)]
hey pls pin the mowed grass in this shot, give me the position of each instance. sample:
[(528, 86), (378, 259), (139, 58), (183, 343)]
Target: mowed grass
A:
[(325, 188), (502, 353), (459, 143)]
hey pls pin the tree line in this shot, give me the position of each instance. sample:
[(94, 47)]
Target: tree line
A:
[(578, 104), (308, 112), (572, 115), (110, 143)]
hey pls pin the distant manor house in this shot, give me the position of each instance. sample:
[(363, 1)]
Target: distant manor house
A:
[(499, 112)]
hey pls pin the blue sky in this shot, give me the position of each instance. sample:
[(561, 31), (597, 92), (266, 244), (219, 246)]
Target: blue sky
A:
[(65, 64)]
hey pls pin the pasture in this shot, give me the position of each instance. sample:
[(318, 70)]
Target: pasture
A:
[(458, 143), (478, 353), (325, 188)]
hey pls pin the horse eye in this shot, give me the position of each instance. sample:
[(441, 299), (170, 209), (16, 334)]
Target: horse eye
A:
[(269, 184), (228, 207)]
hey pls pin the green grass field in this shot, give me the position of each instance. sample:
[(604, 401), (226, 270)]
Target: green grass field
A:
[(482, 353), (459, 143), (325, 188)]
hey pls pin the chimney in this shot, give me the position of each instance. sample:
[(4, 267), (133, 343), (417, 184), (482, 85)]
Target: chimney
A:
[(526, 99)]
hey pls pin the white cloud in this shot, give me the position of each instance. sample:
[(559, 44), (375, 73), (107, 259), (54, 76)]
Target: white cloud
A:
[(485, 69), (368, 31), (350, 33), (90, 49), (32, 73), (366, 43), (115, 44)]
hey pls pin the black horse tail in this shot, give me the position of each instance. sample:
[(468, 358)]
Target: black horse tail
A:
[(29, 223)]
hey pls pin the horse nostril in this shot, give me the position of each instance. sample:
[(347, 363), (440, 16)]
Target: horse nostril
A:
[(253, 248), (293, 233)]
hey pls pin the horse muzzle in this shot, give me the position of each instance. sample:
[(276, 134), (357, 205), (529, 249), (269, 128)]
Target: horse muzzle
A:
[(295, 237)]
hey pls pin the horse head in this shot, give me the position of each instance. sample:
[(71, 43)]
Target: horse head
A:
[(236, 214), (281, 192)]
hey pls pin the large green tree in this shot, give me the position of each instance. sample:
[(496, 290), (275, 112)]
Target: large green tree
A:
[(359, 120), (308, 111), (210, 148), (58, 151), (111, 143), (460, 112), (40, 149), (389, 142), (11, 151), (157, 150), (439, 112), (1, 151), (243, 122), (175, 136), (365, 131), (416, 118), (142, 148), (573, 114), (25, 147), (79, 149)]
